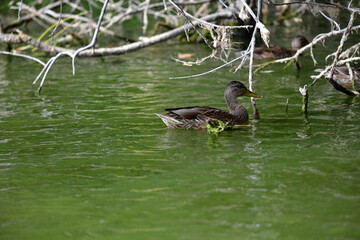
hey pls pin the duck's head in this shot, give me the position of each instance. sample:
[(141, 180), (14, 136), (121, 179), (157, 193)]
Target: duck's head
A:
[(237, 89), (299, 42)]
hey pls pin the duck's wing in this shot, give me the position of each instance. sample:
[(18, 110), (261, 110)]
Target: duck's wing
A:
[(200, 113), (189, 112), (185, 117), (218, 114), (194, 117)]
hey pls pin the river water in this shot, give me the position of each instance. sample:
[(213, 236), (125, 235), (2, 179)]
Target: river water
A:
[(88, 159)]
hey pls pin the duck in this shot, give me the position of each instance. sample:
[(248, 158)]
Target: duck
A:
[(342, 76), (342, 81), (276, 52), (198, 117)]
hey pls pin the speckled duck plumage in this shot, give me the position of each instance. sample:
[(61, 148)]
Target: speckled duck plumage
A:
[(198, 117)]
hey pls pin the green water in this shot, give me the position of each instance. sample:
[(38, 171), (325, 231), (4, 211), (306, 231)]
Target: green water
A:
[(88, 159)]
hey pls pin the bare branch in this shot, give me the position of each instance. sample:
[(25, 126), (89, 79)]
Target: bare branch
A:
[(319, 38), (85, 51), (332, 21), (145, 42), (265, 34), (204, 22), (146, 16), (93, 40), (353, 50), (52, 60), (212, 70), (24, 56), (324, 73), (30, 16), (22, 38), (19, 10), (59, 20), (266, 38), (329, 5), (342, 41)]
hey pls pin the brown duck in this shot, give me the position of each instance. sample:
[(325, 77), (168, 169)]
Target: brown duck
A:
[(198, 117), (342, 76), (275, 52), (343, 81)]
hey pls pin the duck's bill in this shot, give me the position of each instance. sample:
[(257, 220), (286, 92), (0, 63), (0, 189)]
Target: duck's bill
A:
[(251, 94)]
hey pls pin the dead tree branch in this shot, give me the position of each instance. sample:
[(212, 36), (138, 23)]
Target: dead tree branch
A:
[(144, 42), (325, 5), (318, 39), (86, 52), (52, 60)]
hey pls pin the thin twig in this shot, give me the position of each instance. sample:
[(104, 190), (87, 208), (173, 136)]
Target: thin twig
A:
[(147, 2), (145, 42), (20, 8), (93, 40), (324, 73), (264, 32), (187, 16), (316, 4), (342, 41), (316, 40), (251, 61), (212, 70), (73, 55), (332, 21), (58, 23), (24, 56)]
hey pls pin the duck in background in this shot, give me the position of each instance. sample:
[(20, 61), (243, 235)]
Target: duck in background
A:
[(342, 76), (276, 52)]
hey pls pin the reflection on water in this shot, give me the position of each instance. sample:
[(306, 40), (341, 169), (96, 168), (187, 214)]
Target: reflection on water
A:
[(89, 158)]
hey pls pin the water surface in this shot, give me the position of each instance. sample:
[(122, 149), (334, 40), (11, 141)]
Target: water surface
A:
[(88, 159)]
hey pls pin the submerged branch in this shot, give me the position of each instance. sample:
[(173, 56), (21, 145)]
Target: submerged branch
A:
[(305, 98)]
